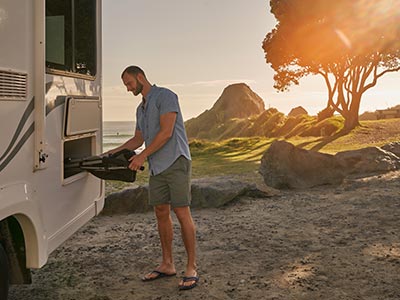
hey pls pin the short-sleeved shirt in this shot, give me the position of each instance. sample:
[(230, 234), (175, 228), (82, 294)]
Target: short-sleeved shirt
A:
[(160, 101)]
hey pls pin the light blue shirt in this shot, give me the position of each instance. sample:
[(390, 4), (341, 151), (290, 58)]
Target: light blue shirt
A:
[(160, 101)]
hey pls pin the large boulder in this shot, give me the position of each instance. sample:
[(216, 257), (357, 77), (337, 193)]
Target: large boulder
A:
[(368, 160), (218, 191), (127, 201), (285, 166), (206, 192), (393, 147)]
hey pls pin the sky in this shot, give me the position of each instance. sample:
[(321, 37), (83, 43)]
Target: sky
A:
[(199, 47)]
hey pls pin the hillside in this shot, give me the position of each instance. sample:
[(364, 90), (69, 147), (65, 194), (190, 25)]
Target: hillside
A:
[(229, 113), (239, 112)]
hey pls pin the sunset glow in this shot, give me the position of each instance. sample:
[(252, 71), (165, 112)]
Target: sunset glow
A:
[(197, 50)]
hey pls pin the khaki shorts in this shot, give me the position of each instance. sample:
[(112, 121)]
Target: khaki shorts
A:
[(172, 186)]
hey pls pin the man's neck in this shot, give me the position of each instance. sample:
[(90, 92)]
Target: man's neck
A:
[(146, 89)]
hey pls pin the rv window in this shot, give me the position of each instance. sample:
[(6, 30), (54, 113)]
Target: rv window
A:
[(71, 36)]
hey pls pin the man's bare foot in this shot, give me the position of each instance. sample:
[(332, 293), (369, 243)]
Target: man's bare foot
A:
[(160, 272), (189, 281)]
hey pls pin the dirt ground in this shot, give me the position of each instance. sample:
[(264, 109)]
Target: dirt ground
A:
[(324, 243)]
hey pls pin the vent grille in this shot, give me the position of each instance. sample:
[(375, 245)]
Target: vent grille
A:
[(13, 85)]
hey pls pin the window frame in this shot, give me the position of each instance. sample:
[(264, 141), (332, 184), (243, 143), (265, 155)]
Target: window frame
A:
[(73, 74)]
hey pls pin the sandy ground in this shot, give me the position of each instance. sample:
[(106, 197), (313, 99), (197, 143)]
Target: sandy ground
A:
[(323, 243)]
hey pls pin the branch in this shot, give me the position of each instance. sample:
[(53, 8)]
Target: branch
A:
[(337, 107), (387, 71), (359, 70), (325, 75), (373, 66), (348, 80), (377, 76)]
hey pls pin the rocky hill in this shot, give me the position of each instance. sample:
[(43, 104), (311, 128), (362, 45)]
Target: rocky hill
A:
[(240, 112), (237, 102)]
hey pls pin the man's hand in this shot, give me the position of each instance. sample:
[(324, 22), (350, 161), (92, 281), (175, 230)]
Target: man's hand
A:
[(137, 161)]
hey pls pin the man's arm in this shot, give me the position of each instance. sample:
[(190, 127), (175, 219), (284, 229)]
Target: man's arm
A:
[(167, 123)]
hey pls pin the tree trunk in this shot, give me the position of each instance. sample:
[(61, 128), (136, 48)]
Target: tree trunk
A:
[(351, 118), (351, 121)]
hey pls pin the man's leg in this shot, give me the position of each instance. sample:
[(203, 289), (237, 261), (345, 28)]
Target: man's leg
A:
[(188, 230), (165, 231)]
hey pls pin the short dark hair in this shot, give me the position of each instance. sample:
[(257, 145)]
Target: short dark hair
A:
[(133, 70)]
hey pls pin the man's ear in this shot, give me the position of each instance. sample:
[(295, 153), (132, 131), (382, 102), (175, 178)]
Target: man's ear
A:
[(140, 78)]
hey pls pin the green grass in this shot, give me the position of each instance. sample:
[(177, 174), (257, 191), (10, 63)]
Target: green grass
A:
[(369, 134), (232, 156), (242, 155)]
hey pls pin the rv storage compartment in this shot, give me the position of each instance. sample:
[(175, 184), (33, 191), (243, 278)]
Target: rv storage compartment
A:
[(77, 148), (82, 122)]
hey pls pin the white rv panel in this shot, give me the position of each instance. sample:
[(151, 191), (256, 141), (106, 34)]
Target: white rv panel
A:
[(18, 199), (82, 116)]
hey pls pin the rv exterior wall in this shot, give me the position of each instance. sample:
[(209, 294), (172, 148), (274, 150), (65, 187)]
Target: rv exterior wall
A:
[(48, 208)]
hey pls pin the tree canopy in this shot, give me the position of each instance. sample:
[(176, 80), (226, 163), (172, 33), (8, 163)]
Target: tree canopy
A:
[(351, 43)]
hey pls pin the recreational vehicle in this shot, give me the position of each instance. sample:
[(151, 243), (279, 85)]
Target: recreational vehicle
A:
[(50, 110)]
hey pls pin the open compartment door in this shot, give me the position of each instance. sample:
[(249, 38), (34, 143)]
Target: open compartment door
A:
[(81, 130), (82, 115)]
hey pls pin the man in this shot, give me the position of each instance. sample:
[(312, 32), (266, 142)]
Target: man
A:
[(159, 124)]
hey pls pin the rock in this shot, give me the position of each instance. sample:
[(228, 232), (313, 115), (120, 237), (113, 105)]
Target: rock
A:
[(297, 111), (267, 190), (127, 201), (285, 166), (218, 191), (206, 192), (368, 161), (393, 147)]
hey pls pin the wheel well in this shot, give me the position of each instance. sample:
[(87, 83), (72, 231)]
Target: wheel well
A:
[(12, 239)]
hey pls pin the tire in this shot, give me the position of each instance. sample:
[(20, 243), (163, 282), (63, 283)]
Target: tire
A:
[(4, 283)]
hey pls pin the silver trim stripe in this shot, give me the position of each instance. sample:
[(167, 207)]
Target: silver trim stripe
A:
[(14, 147), (13, 85)]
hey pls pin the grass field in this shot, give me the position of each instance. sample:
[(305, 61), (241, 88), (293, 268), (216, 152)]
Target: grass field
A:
[(242, 155)]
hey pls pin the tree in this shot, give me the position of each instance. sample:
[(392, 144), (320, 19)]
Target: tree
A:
[(350, 43)]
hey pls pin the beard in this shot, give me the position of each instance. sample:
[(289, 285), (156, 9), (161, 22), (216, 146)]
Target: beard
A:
[(138, 89)]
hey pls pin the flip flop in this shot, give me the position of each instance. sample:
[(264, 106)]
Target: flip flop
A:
[(189, 278), (158, 275)]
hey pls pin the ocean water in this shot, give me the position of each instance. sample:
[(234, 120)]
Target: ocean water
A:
[(116, 133)]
